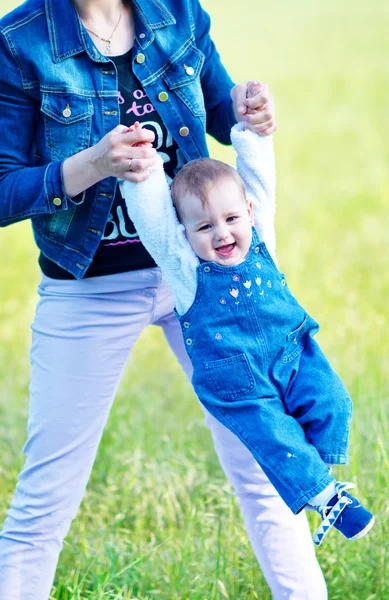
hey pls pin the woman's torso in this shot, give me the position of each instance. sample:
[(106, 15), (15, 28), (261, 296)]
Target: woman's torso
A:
[(75, 90)]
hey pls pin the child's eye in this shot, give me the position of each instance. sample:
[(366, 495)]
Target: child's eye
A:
[(204, 227), (230, 219)]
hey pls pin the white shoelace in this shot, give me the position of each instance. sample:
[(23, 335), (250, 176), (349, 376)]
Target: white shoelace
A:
[(331, 513)]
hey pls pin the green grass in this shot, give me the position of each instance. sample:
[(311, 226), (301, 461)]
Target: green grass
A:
[(158, 520)]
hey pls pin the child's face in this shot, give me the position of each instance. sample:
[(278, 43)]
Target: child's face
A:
[(219, 230)]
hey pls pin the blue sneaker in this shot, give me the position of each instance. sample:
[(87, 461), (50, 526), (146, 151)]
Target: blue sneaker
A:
[(346, 514)]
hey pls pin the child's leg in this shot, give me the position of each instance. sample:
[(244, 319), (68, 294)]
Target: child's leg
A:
[(317, 398)]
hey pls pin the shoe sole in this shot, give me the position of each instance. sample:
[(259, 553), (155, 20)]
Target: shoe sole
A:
[(364, 531)]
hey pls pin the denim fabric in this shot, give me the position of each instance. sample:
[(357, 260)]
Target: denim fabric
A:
[(59, 96), (101, 318), (259, 371)]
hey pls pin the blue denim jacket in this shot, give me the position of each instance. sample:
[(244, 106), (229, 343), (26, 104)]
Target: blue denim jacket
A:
[(58, 96)]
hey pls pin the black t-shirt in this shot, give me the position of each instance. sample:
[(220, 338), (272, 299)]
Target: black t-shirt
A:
[(120, 249)]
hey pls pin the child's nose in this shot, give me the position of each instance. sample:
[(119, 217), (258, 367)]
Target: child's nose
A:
[(222, 231)]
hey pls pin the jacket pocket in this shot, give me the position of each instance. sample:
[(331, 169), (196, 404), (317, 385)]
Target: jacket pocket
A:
[(67, 122), (295, 341), (230, 378), (183, 78)]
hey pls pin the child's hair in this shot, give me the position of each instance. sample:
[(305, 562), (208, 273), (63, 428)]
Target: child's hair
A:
[(198, 175)]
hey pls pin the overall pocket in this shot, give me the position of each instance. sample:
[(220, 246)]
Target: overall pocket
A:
[(295, 341), (67, 123), (230, 378)]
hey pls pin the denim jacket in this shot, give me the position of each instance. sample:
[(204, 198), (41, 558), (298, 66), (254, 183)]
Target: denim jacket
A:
[(58, 96)]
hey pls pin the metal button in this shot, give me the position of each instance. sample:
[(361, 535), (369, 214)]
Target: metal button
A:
[(57, 201), (142, 36), (256, 249), (283, 282), (140, 58), (184, 131), (66, 111), (186, 324), (163, 96), (207, 269), (189, 342), (189, 70)]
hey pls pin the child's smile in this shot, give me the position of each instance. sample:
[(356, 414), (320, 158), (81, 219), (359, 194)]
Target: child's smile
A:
[(219, 229)]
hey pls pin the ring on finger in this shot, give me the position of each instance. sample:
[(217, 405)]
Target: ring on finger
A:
[(129, 168)]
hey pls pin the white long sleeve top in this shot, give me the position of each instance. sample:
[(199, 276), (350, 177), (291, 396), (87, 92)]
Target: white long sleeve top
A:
[(151, 209)]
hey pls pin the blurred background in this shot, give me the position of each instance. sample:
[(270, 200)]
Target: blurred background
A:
[(159, 520)]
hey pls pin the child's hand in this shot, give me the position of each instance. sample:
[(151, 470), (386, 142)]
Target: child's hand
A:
[(135, 127), (254, 105)]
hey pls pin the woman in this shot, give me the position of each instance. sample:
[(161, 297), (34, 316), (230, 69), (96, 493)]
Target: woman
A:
[(72, 73)]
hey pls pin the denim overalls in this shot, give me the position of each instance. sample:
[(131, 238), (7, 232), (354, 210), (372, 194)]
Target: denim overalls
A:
[(258, 370)]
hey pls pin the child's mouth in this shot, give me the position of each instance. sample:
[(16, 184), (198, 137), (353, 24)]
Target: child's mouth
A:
[(225, 251)]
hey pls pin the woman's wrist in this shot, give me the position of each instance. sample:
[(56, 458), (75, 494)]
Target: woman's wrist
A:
[(81, 171)]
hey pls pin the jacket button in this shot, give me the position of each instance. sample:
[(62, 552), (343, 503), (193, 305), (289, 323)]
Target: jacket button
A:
[(186, 325), (189, 342), (142, 36), (184, 131), (140, 58), (256, 249), (57, 201), (189, 70), (66, 111), (207, 269), (163, 96)]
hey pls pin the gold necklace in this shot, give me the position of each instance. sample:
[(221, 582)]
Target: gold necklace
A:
[(108, 41)]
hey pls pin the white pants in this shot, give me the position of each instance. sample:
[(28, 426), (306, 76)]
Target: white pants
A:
[(83, 334)]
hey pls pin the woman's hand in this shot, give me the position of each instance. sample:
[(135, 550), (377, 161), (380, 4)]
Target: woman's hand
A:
[(258, 112), (125, 152)]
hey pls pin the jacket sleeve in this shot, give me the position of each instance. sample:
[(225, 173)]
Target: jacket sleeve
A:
[(25, 190), (215, 81), (151, 209), (256, 165)]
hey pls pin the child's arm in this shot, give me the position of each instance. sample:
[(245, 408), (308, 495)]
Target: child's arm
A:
[(150, 207), (256, 165)]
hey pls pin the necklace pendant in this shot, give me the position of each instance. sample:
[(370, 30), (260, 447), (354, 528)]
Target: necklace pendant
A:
[(108, 47)]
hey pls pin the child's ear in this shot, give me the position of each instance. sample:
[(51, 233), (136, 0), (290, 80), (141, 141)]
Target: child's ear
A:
[(250, 211)]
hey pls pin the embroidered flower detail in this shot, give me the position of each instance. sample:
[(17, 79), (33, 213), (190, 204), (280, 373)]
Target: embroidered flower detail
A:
[(236, 278), (218, 336), (269, 283), (223, 301), (258, 280), (247, 284), (234, 293), (258, 265)]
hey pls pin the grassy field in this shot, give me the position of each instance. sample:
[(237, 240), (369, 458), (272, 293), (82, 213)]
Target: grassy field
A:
[(158, 520)]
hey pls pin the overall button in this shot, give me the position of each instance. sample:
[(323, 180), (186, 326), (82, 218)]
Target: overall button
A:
[(207, 269), (283, 282), (184, 131), (142, 36), (163, 96), (256, 249), (189, 342), (140, 58), (57, 201), (189, 70), (186, 324)]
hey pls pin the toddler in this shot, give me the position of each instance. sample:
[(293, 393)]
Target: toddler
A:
[(256, 366)]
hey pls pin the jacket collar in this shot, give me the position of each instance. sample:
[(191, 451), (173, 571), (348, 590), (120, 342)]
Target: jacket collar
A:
[(68, 36)]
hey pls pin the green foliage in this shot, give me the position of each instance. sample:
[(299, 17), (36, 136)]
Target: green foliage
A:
[(158, 520)]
